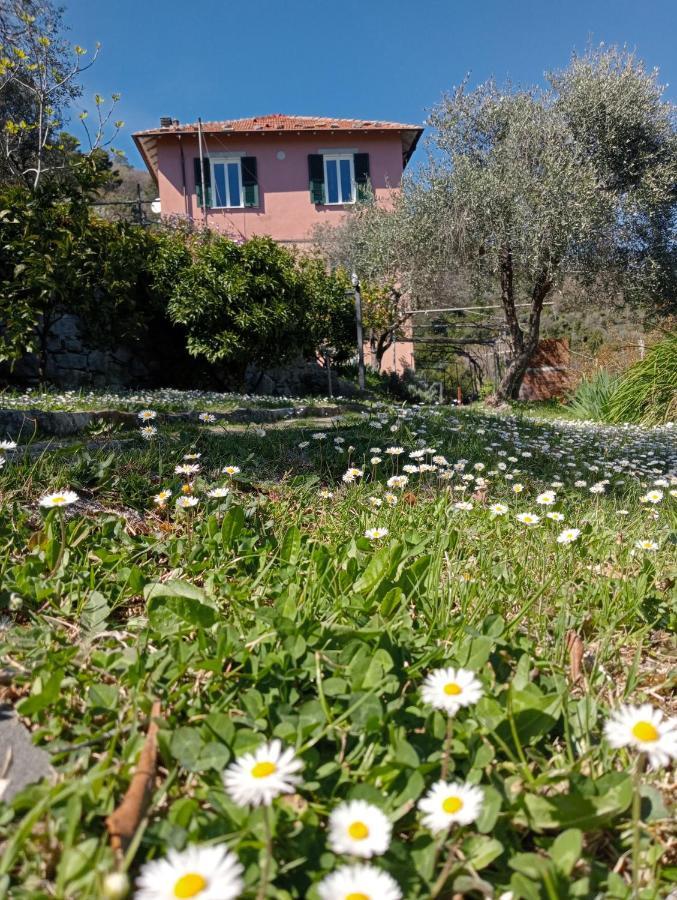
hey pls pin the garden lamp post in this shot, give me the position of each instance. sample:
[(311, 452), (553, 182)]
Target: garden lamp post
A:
[(358, 321)]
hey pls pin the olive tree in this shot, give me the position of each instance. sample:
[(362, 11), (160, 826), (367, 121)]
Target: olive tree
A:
[(529, 187)]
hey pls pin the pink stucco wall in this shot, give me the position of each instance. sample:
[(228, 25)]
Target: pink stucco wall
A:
[(286, 212)]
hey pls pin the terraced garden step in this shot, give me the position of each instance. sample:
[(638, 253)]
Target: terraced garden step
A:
[(15, 422)]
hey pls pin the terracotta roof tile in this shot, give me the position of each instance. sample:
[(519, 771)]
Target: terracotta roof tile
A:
[(280, 122)]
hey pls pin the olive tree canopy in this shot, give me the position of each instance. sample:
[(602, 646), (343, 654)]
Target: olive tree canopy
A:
[(531, 186)]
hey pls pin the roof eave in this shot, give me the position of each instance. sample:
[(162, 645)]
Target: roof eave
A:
[(146, 144), (409, 151)]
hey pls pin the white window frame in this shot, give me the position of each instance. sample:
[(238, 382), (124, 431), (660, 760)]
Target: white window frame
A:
[(337, 157), (226, 160)]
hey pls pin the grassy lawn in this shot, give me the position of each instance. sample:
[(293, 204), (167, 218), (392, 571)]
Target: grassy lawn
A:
[(311, 606), (164, 400)]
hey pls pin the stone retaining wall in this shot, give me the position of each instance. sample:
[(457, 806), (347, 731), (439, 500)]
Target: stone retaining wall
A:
[(24, 423)]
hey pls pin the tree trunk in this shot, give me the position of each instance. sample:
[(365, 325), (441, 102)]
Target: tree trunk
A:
[(522, 348)]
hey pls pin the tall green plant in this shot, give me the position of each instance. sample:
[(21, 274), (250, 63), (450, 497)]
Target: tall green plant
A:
[(591, 400), (647, 393)]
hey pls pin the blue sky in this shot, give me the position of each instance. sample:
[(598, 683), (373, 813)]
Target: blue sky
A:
[(385, 59)]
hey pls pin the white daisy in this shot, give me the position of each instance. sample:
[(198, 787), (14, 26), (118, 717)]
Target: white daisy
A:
[(7, 445), (390, 499), (207, 417), (498, 509), (645, 544), (186, 502), (360, 882), (397, 481), (375, 534), (555, 516), (61, 498), (358, 828), (162, 497), (187, 469), (451, 689), (527, 518), (205, 873), (148, 431), (450, 804), (231, 470), (652, 497), (218, 492), (568, 536), (147, 414), (325, 494), (257, 778), (645, 729), (547, 498)]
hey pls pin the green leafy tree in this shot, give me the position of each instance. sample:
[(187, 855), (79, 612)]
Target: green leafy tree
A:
[(534, 186), (253, 302), (56, 258)]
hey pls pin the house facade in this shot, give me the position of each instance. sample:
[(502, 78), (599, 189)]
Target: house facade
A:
[(276, 175)]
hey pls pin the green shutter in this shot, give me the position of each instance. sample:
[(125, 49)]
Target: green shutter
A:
[(362, 183), (198, 181), (250, 182), (316, 177)]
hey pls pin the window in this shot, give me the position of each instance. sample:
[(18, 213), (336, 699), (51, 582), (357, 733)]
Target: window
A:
[(227, 182), (339, 178)]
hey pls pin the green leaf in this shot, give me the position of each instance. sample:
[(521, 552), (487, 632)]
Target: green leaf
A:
[(233, 523), (376, 570), (103, 696), (45, 697), (185, 746), (175, 604), (481, 851), (491, 808), (290, 549), (405, 754), (381, 663), (566, 849), (612, 796)]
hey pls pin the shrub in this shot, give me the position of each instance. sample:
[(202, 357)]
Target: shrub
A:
[(647, 393), (57, 258), (591, 400), (255, 302)]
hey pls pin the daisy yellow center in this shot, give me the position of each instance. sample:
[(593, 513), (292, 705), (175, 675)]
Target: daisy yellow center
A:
[(358, 831), (452, 689), (452, 805), (645, 731), (57, 501), (189, 885), (357, 895), (263, 769)]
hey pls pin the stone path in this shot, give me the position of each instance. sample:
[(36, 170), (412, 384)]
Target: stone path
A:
[(21, 762)]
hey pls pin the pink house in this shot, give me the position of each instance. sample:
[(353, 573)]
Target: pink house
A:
[(275, 175)]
